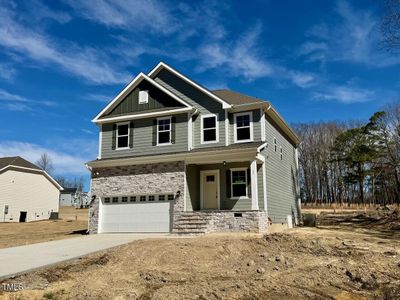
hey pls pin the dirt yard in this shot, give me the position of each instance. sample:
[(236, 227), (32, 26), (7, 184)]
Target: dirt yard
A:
[(351, 256), (72, 221)]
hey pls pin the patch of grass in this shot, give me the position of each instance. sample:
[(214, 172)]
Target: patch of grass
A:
[(48, 295)]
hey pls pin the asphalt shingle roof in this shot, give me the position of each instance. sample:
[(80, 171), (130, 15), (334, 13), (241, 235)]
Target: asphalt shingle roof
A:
[(17, 161), (236, 98)]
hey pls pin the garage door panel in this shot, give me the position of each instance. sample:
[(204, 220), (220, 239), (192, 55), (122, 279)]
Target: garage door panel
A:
[(136, 217)]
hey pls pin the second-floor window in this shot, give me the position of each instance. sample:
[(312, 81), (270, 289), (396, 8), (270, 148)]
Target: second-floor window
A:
[(164, 131), (209, 129), (243, 127), (122, 136)]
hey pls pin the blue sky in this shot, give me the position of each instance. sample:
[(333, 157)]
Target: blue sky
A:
[(62, 61)]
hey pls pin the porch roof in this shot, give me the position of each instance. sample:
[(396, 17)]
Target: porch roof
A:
[(234, 152)]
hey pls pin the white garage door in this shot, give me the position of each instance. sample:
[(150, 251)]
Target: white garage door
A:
[(135, 217)]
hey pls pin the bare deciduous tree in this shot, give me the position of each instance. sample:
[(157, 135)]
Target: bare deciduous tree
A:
[(45, 163), (390, 26)]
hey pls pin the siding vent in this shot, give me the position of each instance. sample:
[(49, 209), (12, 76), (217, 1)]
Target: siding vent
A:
[(238, 215), (143, 97)]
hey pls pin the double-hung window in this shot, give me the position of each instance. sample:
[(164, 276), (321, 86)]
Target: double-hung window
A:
[(122, 136), (239, 183), (164, 131), (209, 129), (243, 127)]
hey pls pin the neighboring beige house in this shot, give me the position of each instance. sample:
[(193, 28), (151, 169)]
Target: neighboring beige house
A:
[(27, 193)]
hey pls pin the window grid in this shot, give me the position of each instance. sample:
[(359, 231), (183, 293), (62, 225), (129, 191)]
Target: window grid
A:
[(161, 197), (122, 136), (243, 127), (170, 197), (142, 198), (114, 199), (209, 125), (107, 200), (151, 198), (133, 198), (124, 199), (239, 183), (164, 131)]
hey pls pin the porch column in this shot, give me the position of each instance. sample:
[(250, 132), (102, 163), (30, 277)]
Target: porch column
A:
[(254, 185)]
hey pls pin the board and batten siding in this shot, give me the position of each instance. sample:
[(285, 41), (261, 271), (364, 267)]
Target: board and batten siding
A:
[(202, 102), (157, 99), (193, 186), (27, 191), (143, 139), (281, 176)]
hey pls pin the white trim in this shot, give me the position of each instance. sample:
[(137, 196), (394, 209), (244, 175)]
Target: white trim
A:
[(35, 170), (163, 65), (170, 131), (264, 174), (215, 156), (190, 132), (139, 78), (247, 180), (262, 123), (250, 113), (145, 115), (254, 185), (226, 128), (262, 147), (185, 188), (117, 136), (202, 129), (217, 171), (100, 140)]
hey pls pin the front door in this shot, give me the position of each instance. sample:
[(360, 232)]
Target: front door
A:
[(210, 191)]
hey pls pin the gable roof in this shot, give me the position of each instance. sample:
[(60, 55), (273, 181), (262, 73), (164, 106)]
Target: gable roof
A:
[(139, 78), (17, 162), (163, 65), (235, 98)]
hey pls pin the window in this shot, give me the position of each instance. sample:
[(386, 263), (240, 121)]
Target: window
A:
[(170, 197), (142, 198), (161, 197), (151, 198), (275, 144), (210, 178), (164, 131), (238, 183), (133, 199), (107, 200), (124, 199), (143, 97), (243, 127), (115, 199), (281, 151), (122, 136), (209, 129)]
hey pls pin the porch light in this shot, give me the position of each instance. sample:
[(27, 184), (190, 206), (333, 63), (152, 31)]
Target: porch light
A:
[(224, 163)]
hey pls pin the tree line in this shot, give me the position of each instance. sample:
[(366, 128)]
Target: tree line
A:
[(351, 162)]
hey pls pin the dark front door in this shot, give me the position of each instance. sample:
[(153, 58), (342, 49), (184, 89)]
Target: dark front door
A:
[(22, 216)]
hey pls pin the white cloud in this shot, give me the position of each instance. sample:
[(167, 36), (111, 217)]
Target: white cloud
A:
[(7, 71), (98, 98), (353, 37), (63, 162), (15, 102), (85, 62), (345, 94)]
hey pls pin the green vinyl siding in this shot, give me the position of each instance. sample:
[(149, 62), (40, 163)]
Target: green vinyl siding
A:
[(199, 100), (143, 139), (157, 100), (281, 176), (193, 186), (256, 126)]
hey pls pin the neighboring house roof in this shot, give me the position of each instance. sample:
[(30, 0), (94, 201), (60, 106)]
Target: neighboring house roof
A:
[(20, 164), (69, 191), (236, 98), (17, 161)]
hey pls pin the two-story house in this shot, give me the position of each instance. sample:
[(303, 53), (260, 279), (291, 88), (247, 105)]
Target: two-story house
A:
[(177, 157)]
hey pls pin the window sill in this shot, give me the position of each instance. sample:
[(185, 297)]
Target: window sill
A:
[(209, 142), (240, 198), (164, 144), (243, 141), (125, 148)]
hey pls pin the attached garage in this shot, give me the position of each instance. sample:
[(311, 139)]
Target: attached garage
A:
[(135, 214)]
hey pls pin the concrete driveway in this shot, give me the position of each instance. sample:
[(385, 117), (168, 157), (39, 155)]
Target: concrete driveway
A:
[(22, 259)]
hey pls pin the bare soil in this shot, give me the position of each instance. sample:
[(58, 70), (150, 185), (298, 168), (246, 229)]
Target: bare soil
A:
[(344, 258), (72, 222)]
